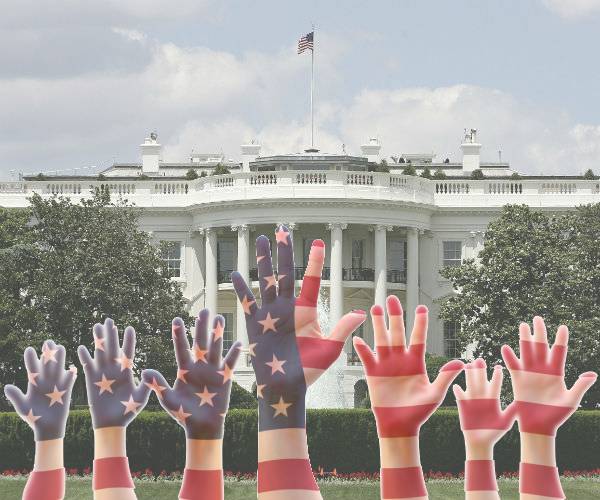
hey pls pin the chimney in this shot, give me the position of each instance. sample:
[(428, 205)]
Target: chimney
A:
[(150, 154), (471, 149), (371, 150), (249, 153)]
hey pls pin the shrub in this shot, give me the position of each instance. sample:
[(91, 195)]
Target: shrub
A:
[(426, 173), (220, 169), (589, 174), (515, 175), (241, 398), (439, 174), (409, 170), (342, 439), (477, 174), (191, 174)]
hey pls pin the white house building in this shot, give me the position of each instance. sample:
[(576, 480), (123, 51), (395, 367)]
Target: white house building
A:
[(386, 233)]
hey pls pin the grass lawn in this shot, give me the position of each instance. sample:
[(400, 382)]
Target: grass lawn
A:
[(79, 489)]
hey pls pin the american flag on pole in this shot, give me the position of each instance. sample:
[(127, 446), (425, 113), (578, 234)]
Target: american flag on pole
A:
[(306, 42)]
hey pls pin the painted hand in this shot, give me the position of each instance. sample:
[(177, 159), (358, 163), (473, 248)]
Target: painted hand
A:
[(288, 349), (113, 396), (199, 399), (45, 405), (401, 394)]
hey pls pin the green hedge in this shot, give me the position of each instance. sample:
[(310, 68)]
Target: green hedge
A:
[(341, 439)]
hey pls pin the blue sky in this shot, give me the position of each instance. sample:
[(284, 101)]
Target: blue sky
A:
[(82, 82)]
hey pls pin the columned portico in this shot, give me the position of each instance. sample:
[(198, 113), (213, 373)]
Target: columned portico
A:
[(336, 292), (412, 275), (243, 267), (381, 263), (210, 283)]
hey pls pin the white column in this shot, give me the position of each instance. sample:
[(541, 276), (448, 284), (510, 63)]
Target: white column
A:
[(336, 291), (243, 267), (380, 264), (412, 275), (210, 275)]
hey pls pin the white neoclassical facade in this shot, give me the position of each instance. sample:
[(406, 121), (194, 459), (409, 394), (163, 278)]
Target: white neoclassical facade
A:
[(386, 233)]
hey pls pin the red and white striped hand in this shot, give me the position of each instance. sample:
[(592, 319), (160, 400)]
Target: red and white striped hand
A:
[(483, 423), (543, 403), (402, 397)]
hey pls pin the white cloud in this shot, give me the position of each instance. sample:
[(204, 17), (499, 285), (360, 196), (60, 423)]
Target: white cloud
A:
[(573, 9), (129, 34)]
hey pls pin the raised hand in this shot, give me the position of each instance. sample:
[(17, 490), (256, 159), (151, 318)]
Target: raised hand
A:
[(543, 403), (289, 352), (483, 423), (198, 401), (402, 397), (45, 408), (115, 399)]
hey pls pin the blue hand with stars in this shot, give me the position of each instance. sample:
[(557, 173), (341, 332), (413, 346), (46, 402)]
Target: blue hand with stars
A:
[(113, 396), (199, 399), (45, 405)]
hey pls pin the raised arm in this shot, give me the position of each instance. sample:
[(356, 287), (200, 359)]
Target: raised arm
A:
[(198, 401), (543, 404), (402, 397), (288, 353), (45, 408), (115, 400), (483, 423)]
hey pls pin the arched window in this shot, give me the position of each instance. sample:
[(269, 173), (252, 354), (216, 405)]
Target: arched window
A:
[(360, 393)]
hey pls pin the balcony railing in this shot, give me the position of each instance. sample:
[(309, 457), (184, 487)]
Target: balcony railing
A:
[(224, 276), (396, 276), (358, 274), (352, 358), (349, 274)]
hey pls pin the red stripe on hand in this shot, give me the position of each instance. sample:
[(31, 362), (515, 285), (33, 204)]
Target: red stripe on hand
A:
[(286, 474), (406, 361), (309, 294), (481, 414), (480, 475), (112, 472), (536, 357), (540, 480), (405, 482), (45, 484), (202, 484), (538, 418), (402, 421), (318, 353)]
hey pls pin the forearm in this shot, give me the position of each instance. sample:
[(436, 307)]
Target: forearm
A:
[(111, 477), (480, 472), (538, 478), (47, 480), (401, 472), (203, 475)]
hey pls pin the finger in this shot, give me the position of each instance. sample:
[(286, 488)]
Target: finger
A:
[(382, 338), (495, 386), (459, 393), (17, 398), (111, 337), (539, 330), (510, 358), (84, 357), (348, 325), (99, 342), (285, 262), (558, 353), (71, 377), (232, 356), (201, 329), (266, 278), (476, 378), (55, 364), (367, 357), (180, 343), (244, 294), (129, 342), (525, 333), (311, 283), (215, 349), (446, 376), (581, 386), (396, 319), (419, 332), (32, 363), (155, 381), (141, 394), (509, 414)]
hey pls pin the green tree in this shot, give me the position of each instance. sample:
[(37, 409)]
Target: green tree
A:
[(439, 174), (81, 263), (426, 173), (589, 174), (191, 174), (220, 169), (532, 264), (409, 170), (515, 175), (477, 174)]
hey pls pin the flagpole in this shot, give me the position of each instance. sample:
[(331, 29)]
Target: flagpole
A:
[(312, 89)]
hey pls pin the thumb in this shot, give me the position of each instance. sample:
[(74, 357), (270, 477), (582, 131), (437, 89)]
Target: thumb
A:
[(347, 325), (581, 386), (447, 374), (16, 397)]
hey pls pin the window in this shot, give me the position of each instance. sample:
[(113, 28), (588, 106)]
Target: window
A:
[(451, 329), (171, 255), (452, 253), (397, 255), (358, 254), (225, 249), (228, 332), (307, 244)]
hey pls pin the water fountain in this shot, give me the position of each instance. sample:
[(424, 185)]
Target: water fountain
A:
[(328, 390)]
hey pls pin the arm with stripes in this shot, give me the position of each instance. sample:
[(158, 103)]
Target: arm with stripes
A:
[(45, 408), (543, 403), (289, 352), (401, 395), (483, 424), (198, 401), (115, 399)]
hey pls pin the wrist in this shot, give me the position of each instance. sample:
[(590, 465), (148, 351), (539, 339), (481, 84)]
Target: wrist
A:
[(538, 449), (479, 450), (277, 412), (399, 452), (110, 442), (204, 454), (49, 455)]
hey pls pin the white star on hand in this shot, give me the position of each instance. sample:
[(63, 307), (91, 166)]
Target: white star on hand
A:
[(199, 354), (105, 384), (181, 375), (281, 236), (31, 376), (156, 387), (281, 407), (30, 418), (48, 354), (125, 362), (131, 406), (98, 343), (218, 331), (259, 389), (55, 396), (271, 281), (276, 365), (246, 304), (269, 323), (226, 373), (180, 415), (206, 398), (251, 351)]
